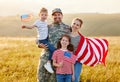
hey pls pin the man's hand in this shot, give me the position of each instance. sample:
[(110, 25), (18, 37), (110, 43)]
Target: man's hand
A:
[(23, 27), (41, 45)]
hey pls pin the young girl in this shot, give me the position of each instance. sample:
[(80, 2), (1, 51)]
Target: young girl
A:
[(64, 68)]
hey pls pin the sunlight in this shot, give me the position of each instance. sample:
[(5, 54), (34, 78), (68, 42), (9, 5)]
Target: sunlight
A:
[(80, 6)]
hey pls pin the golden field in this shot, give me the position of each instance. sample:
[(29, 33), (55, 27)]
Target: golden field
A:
[(19, 58)]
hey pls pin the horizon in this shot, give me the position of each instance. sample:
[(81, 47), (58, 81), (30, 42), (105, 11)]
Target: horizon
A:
[(35, 14)]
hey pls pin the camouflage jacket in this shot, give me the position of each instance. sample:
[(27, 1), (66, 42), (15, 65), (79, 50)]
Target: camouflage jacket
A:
[(55, 33)]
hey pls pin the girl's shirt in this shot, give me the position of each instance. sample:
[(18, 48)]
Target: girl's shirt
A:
[(58, 56)]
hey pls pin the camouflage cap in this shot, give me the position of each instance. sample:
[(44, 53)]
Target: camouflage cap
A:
[(56, 10)]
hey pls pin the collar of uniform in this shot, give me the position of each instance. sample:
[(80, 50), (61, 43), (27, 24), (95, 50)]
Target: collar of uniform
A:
[(58, 24)]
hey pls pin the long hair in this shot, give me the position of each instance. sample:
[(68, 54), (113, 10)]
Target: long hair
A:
[(70, 47)]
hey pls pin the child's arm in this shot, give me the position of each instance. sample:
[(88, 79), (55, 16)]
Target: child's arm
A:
[(73, 77), (28, 27), (57, 64)]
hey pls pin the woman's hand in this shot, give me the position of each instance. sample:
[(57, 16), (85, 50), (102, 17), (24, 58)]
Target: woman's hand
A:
[(41, 45), (73, 78)]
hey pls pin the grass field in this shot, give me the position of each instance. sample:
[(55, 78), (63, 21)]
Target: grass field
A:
[(19, 59)]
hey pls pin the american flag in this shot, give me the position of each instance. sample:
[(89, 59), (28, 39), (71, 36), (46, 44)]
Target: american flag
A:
[(69, 57), (26, 17), (92, 51)]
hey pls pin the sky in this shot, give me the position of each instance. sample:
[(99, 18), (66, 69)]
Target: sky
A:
[(16, 7)]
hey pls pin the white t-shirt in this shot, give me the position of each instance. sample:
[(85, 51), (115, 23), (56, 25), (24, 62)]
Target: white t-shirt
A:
[(42, 29)]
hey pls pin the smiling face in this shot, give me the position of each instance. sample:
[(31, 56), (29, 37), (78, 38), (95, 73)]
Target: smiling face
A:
[(43, 16), (64, 42), (57, 17), (76, 24)]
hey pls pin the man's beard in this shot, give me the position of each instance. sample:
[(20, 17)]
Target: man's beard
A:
[(57, 21)]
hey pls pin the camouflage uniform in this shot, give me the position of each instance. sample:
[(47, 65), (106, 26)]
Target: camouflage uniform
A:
[(55, 32)]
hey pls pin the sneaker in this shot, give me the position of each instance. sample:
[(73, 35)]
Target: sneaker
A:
[(48, 67)]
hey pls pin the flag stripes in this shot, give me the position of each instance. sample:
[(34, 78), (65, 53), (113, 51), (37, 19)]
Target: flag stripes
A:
[(91, 51), (26, 17)]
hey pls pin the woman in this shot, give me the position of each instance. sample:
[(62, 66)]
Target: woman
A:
[(75, 38)]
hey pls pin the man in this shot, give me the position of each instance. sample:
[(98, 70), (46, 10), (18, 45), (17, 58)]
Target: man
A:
[(56, 30)]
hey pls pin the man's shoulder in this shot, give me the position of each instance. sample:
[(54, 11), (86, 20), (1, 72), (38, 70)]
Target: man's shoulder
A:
[(50, 25), (65, 25), (61, 24)]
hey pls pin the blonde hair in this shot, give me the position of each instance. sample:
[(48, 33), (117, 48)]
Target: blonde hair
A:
[(43, 10)]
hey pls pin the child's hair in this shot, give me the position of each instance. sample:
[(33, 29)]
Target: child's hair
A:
[(43, 10), (70, 47)]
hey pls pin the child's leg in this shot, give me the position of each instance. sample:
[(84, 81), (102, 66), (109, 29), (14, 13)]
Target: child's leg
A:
[(51, 48), (48, 66)]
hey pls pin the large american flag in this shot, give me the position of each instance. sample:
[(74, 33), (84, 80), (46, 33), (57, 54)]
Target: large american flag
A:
[(92, 51)]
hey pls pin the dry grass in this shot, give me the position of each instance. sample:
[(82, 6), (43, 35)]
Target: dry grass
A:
[(19, 59)]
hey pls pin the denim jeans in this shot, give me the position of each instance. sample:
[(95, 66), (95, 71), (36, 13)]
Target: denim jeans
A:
[(64, 77), (77, 71), (51, 48)]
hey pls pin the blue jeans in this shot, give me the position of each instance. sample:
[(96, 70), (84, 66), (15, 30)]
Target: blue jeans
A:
[(64, 77), (51, 48), (77, 71)]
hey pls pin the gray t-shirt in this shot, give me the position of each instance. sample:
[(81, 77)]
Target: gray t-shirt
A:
[(75, 41), (42, 29)]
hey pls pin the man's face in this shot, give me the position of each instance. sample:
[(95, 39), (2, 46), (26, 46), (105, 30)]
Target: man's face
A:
[(57, 17)]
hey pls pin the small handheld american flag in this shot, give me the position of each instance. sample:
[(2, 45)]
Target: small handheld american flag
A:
[(26, 17), (69, 57)]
